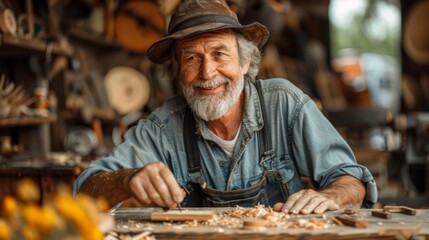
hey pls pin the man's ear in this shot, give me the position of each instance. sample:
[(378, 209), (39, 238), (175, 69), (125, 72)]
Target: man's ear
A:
[(245, 67)]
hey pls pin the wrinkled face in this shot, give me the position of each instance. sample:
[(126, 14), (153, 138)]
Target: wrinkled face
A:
[(210, 73)]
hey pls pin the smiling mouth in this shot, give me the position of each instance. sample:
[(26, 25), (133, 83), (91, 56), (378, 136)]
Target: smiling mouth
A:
[(212, 90), (210, 87)]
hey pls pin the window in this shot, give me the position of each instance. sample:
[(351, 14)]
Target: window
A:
[(365, 45)]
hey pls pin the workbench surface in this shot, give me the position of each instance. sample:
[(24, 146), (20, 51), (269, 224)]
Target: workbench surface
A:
[(136, 221)]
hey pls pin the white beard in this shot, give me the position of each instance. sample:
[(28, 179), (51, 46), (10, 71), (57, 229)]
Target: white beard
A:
[(212, 107)]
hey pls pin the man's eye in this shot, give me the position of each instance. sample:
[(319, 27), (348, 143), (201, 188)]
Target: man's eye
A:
[(191, 59), (220, 54)]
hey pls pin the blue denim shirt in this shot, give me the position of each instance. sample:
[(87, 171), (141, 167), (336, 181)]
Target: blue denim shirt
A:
[(304, 142)]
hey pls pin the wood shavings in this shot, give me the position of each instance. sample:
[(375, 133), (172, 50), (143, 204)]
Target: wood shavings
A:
[(234, 219), (258, 218), (141, 236), (226, 221)]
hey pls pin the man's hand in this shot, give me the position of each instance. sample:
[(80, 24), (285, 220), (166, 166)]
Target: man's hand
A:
[(345, 191), (307, 201), (155, 185)]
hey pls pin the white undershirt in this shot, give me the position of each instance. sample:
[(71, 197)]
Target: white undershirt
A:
[(227, 146)]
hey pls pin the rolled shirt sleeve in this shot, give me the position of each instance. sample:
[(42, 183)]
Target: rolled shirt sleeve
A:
[(323, 155), (146, 138)]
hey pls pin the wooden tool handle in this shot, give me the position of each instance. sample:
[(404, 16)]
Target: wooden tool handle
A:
[(353, 222)]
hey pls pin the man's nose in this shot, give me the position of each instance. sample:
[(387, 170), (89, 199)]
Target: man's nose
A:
[(208, 69)]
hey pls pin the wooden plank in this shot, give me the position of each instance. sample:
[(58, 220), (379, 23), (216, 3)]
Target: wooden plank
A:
[(353, 222), (381, 214), (184, 215)]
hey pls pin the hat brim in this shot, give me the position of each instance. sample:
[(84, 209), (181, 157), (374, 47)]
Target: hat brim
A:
[(160, 50)]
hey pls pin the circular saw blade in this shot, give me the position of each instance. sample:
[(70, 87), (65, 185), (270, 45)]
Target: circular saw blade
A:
[(128, 90)]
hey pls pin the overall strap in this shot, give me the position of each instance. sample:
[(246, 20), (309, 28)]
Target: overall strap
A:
[(194, 194), (265, 144), (190, 140)]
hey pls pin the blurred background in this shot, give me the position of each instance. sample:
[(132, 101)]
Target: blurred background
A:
[(74, 77)]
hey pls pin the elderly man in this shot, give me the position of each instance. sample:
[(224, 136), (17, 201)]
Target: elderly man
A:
[(229, 139)]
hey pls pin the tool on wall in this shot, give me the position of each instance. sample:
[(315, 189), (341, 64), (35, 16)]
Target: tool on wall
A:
[(14, 101), (30, 17), (138, 24), (80, 140)]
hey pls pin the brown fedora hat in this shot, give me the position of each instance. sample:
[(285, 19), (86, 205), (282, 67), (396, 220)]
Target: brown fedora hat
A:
[(416, 33), (193, 17)]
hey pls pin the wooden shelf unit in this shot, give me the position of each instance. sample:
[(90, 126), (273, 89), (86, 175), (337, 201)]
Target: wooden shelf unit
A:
[(15, 46), (25, 121)]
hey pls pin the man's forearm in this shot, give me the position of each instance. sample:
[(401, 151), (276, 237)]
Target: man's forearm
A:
[(110, 185), (347, 191)]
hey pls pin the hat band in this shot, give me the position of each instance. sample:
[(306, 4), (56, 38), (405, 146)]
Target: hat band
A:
[(205, 19)]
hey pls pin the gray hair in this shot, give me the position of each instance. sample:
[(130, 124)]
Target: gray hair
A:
[(248, 51)]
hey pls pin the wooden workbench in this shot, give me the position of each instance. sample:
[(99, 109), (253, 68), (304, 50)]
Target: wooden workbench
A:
[(134, 221)]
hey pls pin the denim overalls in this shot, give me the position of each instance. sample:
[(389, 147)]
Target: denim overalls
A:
[(268, 191)]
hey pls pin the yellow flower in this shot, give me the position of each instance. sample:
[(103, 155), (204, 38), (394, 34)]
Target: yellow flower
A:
[(5, 232), (28, 191), (31, 214), (10, 206), (93, 234), (30, 233), (90, 206), (47, 220), (69, 208), (103, 204)]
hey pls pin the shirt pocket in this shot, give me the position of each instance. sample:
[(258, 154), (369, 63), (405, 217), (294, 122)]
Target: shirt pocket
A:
[(285, 166), (255, 178)]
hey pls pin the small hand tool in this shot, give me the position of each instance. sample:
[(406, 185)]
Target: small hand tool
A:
[(179, 206), (138, 155), (400, 209), (144, 163), (352, 221), (381, 214)]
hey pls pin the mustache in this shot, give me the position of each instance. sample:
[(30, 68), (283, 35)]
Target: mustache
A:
[(215, 82)]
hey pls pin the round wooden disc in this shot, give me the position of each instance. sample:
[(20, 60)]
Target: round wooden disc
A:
[(7, 21), (416, 33), (128, 90)]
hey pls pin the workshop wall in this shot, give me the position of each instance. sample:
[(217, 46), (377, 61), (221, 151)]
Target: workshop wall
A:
[(74, 76)]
